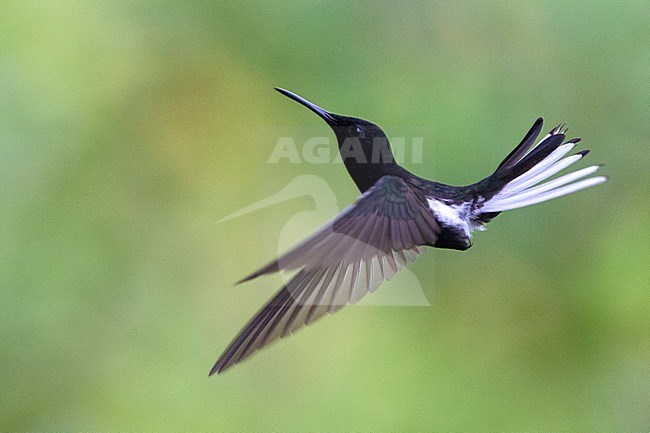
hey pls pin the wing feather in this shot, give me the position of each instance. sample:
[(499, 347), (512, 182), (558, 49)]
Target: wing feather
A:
[(352, 255)]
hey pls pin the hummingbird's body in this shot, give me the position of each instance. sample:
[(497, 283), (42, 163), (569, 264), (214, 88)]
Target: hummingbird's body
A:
[(397, 215)]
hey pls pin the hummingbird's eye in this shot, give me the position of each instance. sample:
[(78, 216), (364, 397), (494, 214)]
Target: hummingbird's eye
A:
[(357, 130)]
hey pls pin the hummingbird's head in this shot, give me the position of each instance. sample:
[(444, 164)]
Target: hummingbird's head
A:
[(360, 142)]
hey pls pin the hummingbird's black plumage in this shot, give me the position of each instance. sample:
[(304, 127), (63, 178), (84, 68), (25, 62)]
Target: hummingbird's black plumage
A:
[(397, 215)]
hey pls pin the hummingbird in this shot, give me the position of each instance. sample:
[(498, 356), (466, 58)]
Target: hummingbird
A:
[(397, 216)]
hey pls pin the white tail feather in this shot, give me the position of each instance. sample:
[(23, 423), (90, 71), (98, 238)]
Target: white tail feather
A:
[(526, 189), (558, 192), (545, 169), (556, 183)]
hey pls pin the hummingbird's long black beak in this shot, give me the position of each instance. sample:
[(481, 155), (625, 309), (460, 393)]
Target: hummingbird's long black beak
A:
[(326, 115)]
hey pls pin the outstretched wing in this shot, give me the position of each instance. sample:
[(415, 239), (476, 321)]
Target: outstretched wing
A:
[(352, 255)]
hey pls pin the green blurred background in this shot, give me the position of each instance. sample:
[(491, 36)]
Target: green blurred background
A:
[(128, 129)]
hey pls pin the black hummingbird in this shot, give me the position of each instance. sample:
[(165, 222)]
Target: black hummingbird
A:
[(397, 215)]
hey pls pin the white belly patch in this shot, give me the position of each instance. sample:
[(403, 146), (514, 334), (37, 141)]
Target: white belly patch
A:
[(456, 216)]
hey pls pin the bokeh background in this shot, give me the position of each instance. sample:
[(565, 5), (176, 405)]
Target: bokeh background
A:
[(129, 129)]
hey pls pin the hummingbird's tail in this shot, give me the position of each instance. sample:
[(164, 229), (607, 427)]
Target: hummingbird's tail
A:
[(521, 175)]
